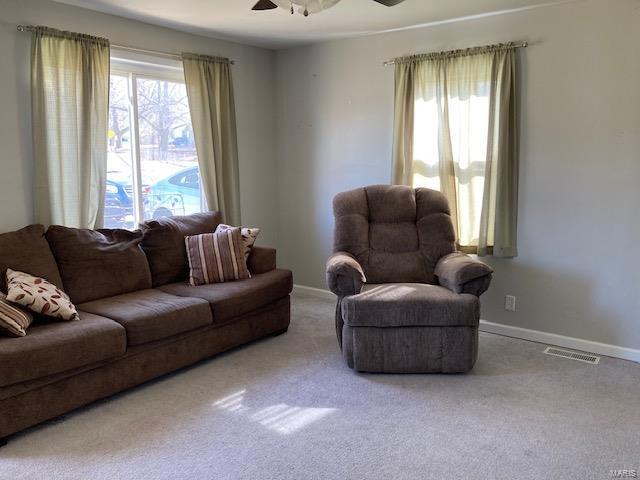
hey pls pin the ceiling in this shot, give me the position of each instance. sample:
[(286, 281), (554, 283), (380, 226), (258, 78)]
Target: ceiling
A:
[(234, 20)]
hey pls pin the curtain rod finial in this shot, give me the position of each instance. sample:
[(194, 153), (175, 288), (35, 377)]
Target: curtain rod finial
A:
[(20, 28)]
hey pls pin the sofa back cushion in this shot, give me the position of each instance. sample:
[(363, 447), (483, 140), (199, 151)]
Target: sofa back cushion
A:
[(396, 233), (27, 250), (97, 264), (163, 242)]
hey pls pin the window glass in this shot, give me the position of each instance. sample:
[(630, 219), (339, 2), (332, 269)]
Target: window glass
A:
[(167, 174), (168, 157), (119, 208)]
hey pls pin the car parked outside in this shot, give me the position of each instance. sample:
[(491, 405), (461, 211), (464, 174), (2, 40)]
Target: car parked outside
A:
[(118, 206), (177, 194)]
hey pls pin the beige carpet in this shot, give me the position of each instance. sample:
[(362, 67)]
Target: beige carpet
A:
[(288, 408)]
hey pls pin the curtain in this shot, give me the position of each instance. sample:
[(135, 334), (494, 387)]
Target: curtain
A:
[(210, 93), (70, 98), (455, 130)]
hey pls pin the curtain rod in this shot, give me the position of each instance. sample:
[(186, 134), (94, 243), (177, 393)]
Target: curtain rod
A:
[(446, 52), (172, 56)]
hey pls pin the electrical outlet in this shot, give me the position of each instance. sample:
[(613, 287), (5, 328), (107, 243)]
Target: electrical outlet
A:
[(510, 303)]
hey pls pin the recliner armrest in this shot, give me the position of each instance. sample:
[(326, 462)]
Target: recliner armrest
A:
[(461, 273), (345, 276), (261, 259)]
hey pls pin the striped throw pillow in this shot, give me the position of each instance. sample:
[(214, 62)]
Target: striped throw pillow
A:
[(14, 321), (216, 257)]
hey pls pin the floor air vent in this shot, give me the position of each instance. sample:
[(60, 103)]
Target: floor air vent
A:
[(579, 356)]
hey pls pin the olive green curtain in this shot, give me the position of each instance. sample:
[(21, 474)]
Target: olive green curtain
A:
[(213, 115), (69, 102), (456, 130), (403, 124)]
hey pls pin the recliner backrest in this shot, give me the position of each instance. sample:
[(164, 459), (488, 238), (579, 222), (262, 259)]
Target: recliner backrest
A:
[(397, 233)]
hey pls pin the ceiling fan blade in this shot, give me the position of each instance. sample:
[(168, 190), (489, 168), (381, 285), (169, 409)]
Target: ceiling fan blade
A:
[(264, 5), (389, 3)]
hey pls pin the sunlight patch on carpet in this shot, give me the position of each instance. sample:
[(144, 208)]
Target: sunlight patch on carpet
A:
[(281, 418)]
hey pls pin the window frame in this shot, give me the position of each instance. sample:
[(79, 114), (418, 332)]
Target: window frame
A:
[(133, 66)]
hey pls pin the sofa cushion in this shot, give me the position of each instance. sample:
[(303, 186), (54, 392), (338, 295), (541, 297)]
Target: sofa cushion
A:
[(232, 299), (51, 348), (163, 242), (150, 315), (410, 304), (99, 263), (27, 250)]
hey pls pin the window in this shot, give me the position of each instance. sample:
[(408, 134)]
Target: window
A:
[(468, 113), (152, 167), (455, 131)]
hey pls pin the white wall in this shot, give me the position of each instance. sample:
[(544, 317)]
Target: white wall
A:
[(579, 217), (253, 75)]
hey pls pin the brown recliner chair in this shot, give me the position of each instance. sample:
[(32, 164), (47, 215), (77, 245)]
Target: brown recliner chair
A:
[(407, 301)]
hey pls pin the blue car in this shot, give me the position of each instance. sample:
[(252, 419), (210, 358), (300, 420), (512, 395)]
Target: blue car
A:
[(178, 194), (118, 206)]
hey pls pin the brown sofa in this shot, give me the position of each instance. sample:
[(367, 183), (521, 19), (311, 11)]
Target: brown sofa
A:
[(138, 319)]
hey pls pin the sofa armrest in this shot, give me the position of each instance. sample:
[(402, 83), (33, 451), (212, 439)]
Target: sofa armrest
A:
[(461, 273), (261, 259), (344, 274)]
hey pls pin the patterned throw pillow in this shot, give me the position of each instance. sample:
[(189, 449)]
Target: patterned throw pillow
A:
[(39, 296), (249, 236), (14, 321), (216, 257)]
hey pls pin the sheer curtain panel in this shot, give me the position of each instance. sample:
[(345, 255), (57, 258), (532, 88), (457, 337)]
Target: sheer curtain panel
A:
[(69, 102), (455, 130), (213, 115)]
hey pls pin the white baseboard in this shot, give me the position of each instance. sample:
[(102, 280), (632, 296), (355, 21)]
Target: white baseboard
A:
[(524, 333), (561, 341), (316, 292)]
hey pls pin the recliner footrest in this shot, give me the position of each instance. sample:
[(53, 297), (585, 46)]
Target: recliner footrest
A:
[(410, 349)]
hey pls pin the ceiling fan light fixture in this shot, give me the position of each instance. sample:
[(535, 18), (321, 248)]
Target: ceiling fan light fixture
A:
[(306, 7)]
